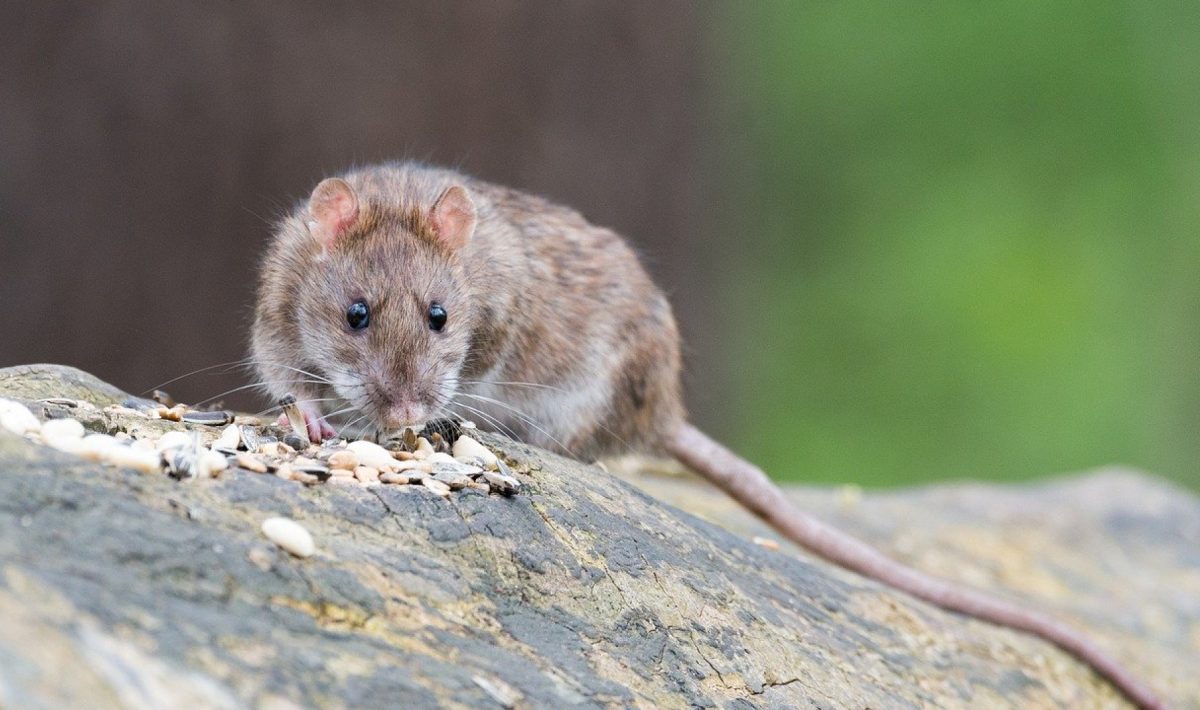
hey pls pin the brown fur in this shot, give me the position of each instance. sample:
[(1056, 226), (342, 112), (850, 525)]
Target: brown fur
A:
[(538, 295)]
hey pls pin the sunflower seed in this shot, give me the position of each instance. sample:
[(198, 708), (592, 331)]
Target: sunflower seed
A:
[(207, 418)]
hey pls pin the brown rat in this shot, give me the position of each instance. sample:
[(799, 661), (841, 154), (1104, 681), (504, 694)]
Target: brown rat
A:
[(400, 292)]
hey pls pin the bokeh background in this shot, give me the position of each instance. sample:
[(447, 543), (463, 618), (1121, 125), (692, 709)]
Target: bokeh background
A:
[(905, 243)]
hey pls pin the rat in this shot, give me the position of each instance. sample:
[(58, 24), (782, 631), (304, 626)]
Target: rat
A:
[(400, 293)]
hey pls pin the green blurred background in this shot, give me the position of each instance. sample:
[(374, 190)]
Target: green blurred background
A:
[(905, 242), (996, 212)]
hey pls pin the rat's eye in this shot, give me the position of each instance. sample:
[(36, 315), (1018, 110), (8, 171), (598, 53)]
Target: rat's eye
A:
[(358, 315), (437, 316)]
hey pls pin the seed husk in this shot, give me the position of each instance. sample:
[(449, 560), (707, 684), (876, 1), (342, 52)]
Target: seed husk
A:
[(502, 484), (295, 418), (218, 418), (231, 437)]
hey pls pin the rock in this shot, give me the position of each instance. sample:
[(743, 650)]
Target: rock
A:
[(578, 591)]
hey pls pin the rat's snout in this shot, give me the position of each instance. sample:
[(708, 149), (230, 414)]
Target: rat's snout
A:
[(402, 413)]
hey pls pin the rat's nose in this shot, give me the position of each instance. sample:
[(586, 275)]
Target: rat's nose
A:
[(403, 414)]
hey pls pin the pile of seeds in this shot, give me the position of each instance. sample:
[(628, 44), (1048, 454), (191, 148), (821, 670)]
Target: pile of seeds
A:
[(440, 456)]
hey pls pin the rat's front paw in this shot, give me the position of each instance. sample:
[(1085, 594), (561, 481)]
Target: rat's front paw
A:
[(318, 429)]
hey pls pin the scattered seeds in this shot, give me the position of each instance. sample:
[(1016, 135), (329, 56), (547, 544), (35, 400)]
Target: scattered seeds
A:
[(343, 460), (502, 484), (289, 535), (295, 417), (372, 454), (766, 542), (250, 463), (174, 440), (434, 485), (141, 460), (62, 429), (366, 474), (231, 437), (17, 418), (207, 418), (210, 464), (466, 449)]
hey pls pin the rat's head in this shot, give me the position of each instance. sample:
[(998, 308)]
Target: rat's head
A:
[(385, 314)]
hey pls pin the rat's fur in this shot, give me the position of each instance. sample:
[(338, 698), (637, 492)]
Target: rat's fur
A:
[(548, 314), (556, 335)]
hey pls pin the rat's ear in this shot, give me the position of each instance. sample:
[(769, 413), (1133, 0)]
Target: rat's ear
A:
[(453, 217), (333, 207)]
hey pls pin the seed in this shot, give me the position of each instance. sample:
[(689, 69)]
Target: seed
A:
[(251, 438), (295, 417), (296, 442), (285, 471), (343, 460), (765, 542), (61, 402), (502, 484), (456, 481), (305, 477), (366, 474), (455, 467), (289, 535), (62, 429), (402, 455), (312, 468), (424, 448), (372, 454), (343, 480), (208, 418), (17, 418), (138, 459), (95, 446), (250, 463), (231, 437), (391, 477), (413, 465), (210, 464), (172, 413), (467, 448), (439, 457), (436, 486), (174, 440)]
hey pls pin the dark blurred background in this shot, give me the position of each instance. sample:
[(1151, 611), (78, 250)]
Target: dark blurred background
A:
[(904, 243)]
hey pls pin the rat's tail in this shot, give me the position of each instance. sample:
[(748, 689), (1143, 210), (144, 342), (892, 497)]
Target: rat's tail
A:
[(748, 485)]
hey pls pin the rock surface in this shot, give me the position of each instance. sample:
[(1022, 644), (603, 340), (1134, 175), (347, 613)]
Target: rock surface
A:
[(118, 588)]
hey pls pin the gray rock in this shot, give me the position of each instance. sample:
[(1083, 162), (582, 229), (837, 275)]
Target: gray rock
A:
[(580, 590)]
